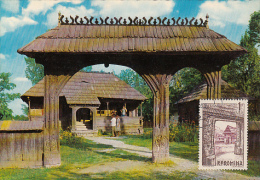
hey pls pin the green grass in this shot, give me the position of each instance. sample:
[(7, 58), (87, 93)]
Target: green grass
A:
[(187, 150), (83, 155)]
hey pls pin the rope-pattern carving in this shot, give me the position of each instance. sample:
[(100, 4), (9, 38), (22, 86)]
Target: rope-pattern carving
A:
[(136, 21)]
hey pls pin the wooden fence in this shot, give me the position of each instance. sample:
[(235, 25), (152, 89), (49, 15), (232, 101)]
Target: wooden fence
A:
[(21, 144), (254, 140)]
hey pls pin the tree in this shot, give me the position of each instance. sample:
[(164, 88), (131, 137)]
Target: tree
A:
[(25, 110), (86, 69), (5, 97), (182, 83), (244, 72), (34, 72), (137, 82), (254, 28)]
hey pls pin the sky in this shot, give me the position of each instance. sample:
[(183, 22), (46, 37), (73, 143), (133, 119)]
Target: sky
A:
[(22, 21)]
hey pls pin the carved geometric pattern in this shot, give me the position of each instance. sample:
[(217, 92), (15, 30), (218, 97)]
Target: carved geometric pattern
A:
[(132, 21)]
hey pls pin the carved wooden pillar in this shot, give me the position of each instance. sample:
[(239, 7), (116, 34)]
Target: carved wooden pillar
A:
[(213, 84), (53, 87), (94, 112), (159, 85), (74, 117), (239, 139)]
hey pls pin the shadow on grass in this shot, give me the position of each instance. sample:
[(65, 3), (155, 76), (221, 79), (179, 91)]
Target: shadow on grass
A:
[(84, 144), (125, 155), (186, 150)]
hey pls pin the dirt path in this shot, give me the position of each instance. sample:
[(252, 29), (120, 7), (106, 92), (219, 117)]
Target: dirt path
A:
[(179, 164)]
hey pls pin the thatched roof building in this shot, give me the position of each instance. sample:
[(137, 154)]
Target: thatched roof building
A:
[(88, 87), (188, 106), (91, 95)]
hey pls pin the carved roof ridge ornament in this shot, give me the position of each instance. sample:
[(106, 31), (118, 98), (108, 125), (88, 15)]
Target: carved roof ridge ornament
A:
[(135, 22)]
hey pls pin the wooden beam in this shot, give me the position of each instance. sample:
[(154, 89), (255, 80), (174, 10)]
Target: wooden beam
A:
[(160, 87), (51, 149)]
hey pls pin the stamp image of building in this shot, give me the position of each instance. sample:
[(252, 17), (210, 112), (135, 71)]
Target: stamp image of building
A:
[(87, 102), (230, 135)]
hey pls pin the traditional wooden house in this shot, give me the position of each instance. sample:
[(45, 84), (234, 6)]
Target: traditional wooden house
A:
[(87, 101), (188, 106), (230, 135)]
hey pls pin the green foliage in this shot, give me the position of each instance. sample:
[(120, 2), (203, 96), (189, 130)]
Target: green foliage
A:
[(20, 118), (34, 72), (244, 72), (70, 139), (5, 97), (137, 82), (25, 110), (182, 83), (254, 28), (184, 133), (86, 69), (148, 133)]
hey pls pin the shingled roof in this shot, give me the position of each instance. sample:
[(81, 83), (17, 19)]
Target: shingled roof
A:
[(87, 87), (21, 126), (137, 35), (227, 92)]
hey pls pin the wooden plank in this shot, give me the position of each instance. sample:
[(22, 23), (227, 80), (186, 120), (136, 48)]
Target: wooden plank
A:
[(120, 32), (173, 44), (101, 44), (18, 147), (107, 29), (163, 45), (103, 31), (116, 31), (137, 44), (145, 44), (112, 31), (12, 147), (135, 32), (124, 44), (95, 44), (110, 44), (168, 44), (90, 45), (105, 47), (131, 44), (149, 44), (26, 152), (3, 155)]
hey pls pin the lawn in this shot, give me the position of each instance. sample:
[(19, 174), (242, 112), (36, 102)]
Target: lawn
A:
[(187, 150), (83, 155)]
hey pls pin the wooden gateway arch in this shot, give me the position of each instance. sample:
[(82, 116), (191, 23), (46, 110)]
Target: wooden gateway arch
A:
[(155, 48)]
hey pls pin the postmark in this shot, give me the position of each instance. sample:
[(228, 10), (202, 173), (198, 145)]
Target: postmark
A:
[(223, 134)]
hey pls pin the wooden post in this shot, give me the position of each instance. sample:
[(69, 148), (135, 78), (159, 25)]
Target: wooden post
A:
[(213, 84), (29, 108), (141, 107), (94, 112), (74, 117), (107, 109), (159, 85), (51, 149)]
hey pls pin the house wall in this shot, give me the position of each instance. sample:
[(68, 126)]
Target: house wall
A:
[(189, 112), (21, 149), (129, 125)]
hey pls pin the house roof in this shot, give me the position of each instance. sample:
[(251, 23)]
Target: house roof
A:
[(227, 92), (21, 125), (153, 35), (230, 129), (87, 87)]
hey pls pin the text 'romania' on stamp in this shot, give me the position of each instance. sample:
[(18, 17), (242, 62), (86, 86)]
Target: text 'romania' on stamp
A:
[(223, 134)]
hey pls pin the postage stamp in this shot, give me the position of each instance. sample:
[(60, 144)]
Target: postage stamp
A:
[(223, 134)]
